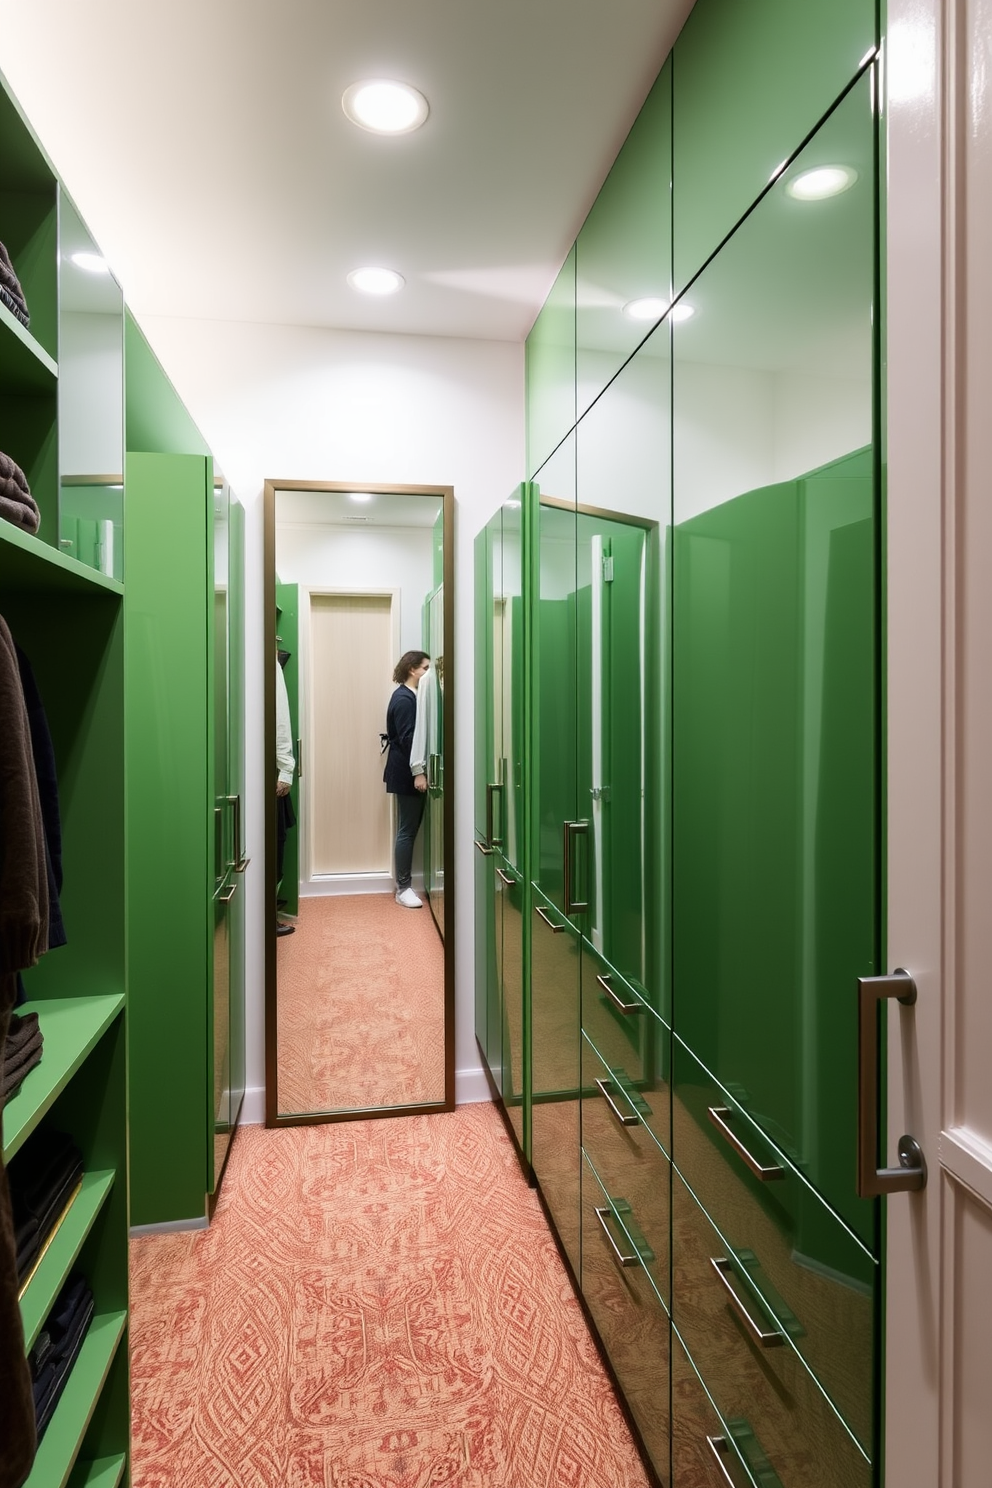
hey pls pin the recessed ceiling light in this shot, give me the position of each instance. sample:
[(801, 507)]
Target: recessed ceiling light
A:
[(653, 309), (821, 182), (93, 263), (359, 496), (376, 281), (385, 107)]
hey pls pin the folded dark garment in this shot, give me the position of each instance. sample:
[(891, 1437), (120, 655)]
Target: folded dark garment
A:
[(58, 1346), (10, 282), (14, 1073), (58, 1370), (6, 298), (20, 1029), (17, 505), (32, 1233), (59, 1323), (39, 1170)]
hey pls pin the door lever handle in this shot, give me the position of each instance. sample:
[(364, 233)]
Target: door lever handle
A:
[(911, 1174)]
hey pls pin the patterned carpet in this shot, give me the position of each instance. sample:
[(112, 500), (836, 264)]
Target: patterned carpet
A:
[(361, 1006), (378, 1304)]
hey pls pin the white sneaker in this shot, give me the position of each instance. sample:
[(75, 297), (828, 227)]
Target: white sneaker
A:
[(408, 899)]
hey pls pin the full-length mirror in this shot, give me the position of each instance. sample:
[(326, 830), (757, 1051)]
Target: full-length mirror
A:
[(358, 677)]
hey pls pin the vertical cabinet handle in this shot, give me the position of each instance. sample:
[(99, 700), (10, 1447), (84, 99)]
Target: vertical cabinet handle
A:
[(491, 838), (299, 759), (240, 861), (911, 1174), (573, 829)]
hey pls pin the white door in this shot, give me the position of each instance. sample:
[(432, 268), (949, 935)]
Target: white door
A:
[(938, 1410)]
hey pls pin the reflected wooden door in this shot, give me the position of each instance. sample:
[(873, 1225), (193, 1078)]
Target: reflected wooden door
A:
[(351, 640)]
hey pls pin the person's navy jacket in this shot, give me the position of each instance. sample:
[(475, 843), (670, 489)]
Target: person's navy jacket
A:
[(401, 718)]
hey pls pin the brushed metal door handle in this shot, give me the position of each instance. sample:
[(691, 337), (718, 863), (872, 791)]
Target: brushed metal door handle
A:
[(506, 878), (228, 894), (720, 1115), (573, 829), (911, 1174), (605, 980), (555, 929), (622, 1260), (486, 852), (762, 1337), (630, 1120)]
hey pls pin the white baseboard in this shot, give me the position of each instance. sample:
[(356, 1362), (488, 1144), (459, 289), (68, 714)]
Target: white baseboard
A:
[(253, 1107), (471, 1087), (343, 883), (168, 1227)]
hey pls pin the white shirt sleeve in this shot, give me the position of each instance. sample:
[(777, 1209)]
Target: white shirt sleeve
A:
[(285, 759), (423, 732)]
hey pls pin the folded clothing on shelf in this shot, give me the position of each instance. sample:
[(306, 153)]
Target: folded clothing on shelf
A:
[(22, 1051), (43, 1178), (11, 292), (17, 505), (58, 1347)]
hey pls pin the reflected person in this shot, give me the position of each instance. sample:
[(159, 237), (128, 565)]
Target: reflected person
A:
[(409, 789)]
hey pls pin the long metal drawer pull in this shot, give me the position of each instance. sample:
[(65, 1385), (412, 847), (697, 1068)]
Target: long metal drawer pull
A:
[(723, 1268), (573, 829), (486, 852), (506, 878), (605, 980), (911, 1174), (720, 1115), (228, 894), (622, 1260), (719, 1446), (630, 1120), (555, 929)]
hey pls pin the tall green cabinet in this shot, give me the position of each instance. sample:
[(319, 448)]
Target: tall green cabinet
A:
[(701, 550), (65, 608)]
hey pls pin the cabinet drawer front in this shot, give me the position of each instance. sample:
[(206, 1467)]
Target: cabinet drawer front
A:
[(776, 1417), (811, 1271), (617, 1018), (631, 1321), (630, 1164)]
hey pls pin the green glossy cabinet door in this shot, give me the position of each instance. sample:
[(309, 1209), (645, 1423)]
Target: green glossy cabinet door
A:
[(550, 370), (484, 873), (623, 253), (750, 82), (775, 708), (236, 789)]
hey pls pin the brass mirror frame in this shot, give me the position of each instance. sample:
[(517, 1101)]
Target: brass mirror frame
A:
[(446, 495)]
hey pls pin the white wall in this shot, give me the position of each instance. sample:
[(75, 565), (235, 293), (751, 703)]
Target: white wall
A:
[(91, 394), (301, 403)]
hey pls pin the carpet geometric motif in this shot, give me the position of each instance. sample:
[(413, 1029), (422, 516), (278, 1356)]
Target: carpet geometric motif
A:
[(361, 1006), (377, 1304)]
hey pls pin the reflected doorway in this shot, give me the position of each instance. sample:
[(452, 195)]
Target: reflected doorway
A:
[(359, 983)]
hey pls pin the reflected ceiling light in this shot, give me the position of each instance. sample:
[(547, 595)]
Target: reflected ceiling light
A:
[(359, 496), (514, 504), (652, 308), (93, 263), (385, 107), (822, 181), (376, 281)]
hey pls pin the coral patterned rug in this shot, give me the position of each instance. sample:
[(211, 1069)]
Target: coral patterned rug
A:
[(361, 1006), (377, 1304)]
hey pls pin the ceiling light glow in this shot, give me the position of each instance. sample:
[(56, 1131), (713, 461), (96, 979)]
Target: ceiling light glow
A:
[(681, 311), (652, 308), (385, 107), (359, 496), (93, 263), (376, 281), (822, 181)]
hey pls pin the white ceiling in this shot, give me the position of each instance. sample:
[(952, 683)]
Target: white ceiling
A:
[(205, 144)]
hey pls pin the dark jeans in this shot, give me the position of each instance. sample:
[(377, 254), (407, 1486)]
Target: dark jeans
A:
[(409, 811)]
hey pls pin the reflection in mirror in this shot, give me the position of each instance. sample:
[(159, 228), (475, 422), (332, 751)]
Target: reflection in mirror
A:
[(360, 896), (775, 707), (91, 401)]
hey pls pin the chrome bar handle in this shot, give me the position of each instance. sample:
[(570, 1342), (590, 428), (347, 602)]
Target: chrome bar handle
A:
[(486, 852), (573, 829), (724, 1270), (720, 1115), (240, 862), (491, 839), (719, 1447), (911, 1174), (622, 1260), (228, 894), (299, 759), (506, 878), (630, 1120), (555, 929), (605, 980)]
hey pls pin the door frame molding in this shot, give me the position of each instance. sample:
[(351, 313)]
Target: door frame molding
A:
[(446, 494)]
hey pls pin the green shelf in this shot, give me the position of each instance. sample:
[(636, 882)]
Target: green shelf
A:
[(63, 1248), (60, 1447), (72, 1026), (26, 562), (105, 1472), (25, 366)]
